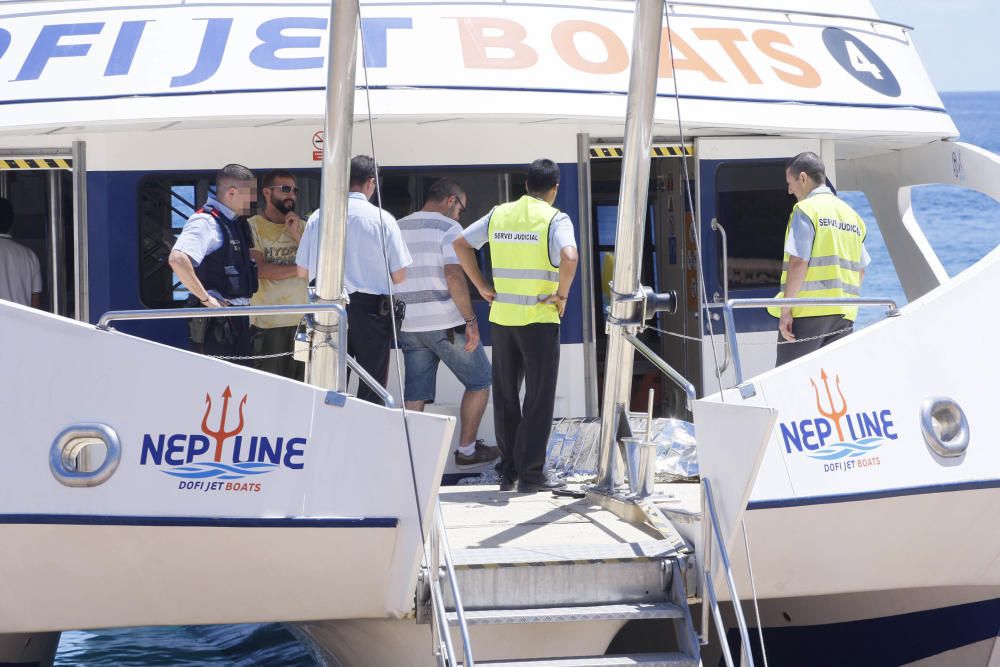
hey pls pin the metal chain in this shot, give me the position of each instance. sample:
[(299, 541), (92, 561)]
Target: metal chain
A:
[(260, 356)]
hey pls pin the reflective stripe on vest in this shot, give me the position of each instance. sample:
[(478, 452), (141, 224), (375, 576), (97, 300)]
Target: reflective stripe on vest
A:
[(834, 269), (522, 271)]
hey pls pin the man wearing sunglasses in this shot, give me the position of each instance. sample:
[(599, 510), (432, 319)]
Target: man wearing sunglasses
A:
[(277, 232)]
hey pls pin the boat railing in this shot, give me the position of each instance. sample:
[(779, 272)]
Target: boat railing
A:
[(438, 557), (732, 343), (663, 367), (344, 360), (709, 600)]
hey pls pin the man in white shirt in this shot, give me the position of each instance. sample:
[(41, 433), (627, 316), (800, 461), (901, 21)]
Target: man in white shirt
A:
[(440, 323), (373, 240), (20, 272)]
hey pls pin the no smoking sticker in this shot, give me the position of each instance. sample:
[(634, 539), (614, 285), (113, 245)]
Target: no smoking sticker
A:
[(317, 142)]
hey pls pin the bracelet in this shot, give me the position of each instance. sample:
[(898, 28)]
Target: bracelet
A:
[(561, 296), (472, 320), (205, 300)]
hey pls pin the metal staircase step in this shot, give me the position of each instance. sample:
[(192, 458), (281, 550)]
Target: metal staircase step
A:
[(604, 612), (637, 660), (561, 575)]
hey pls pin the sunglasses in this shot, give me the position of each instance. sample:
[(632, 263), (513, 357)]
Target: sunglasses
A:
[(285, 188)]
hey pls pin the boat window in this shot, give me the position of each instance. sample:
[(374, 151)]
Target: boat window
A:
[(753, 205), (165, 203), (404, 190)]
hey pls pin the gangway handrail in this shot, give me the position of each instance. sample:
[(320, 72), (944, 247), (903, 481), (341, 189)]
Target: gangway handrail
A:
[(710, 602), (104, 324), (438, 547), (663, 367), (732, 342)]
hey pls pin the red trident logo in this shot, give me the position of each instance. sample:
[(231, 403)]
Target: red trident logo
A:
[(833, 413), (221, 433)]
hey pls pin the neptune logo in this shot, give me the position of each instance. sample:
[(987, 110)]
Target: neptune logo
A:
[(192, 458), (845, 439)]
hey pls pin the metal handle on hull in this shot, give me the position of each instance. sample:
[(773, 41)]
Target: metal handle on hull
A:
[(945, 427), (725, 293), (70, 444)]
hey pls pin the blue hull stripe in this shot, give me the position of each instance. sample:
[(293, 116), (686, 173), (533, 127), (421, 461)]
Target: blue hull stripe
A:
[(208, 522), (877, 642), (873, 495)]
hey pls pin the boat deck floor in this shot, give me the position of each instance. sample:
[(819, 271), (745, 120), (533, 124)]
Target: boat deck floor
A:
[(484, 524)]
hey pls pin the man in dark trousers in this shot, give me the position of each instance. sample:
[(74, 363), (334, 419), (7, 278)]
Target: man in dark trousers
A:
[(825, 257), (212, 259), (373, 240), (534, 258)]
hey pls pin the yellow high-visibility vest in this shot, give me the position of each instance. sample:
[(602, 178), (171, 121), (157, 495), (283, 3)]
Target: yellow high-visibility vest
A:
[(835, 265), (522, 271)]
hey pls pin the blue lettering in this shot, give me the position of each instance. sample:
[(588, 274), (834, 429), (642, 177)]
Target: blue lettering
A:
[(273, 40), (886, 418), (151, 449), (272, 454), (237, 444), (123, 53), (193, 449), (295, 447), (374, 31), (850, 427), (47, 47), (823, 430), (4, 41), (175, 449), (791, 437), (872, 427), (213, 47), (806, 434)]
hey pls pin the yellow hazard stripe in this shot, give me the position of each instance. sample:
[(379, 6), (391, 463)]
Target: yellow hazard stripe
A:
[(676, 150), (36, 163)]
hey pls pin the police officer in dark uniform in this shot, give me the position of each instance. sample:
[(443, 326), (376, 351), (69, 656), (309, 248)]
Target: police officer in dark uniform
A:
[(212, 259)]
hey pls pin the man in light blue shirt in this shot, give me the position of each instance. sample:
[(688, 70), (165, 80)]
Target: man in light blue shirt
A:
[(373, 240)]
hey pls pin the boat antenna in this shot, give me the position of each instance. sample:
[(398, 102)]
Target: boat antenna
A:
[(696, 223), (388, 280)]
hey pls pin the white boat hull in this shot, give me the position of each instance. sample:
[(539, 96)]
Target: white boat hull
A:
[(307, 510)]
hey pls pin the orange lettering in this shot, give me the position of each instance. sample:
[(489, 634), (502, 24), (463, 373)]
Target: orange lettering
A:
[(727, 38), (562, 38), (690, 61), (508, 35), (807, 77)]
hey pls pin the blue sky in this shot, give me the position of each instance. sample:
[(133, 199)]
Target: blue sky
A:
[(958, 40)]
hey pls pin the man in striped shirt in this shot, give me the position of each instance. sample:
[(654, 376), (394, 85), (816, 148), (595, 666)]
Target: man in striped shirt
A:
[(440, 324)]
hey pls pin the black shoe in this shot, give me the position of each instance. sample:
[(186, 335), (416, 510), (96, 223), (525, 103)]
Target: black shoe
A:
[(545, 485), (507, 483), (483, 454)]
